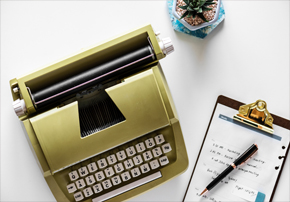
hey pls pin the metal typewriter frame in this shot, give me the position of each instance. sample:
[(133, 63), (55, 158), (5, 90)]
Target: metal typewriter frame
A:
[(58, 69)]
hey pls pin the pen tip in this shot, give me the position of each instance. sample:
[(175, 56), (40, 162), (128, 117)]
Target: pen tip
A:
[(203, 192)]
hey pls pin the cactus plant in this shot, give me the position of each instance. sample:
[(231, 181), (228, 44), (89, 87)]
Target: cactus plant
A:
[(195, 8)]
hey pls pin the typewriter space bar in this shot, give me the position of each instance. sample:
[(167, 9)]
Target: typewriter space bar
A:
[(128, 187)]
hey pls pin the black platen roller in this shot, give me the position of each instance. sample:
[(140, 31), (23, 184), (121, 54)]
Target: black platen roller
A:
[(55, 92)]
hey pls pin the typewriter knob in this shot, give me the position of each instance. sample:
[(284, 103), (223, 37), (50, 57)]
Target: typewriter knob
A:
[(19, 107), (16, 90), (166, 45)]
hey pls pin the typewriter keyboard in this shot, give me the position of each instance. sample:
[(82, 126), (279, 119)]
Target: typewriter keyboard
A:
[(120, 170)]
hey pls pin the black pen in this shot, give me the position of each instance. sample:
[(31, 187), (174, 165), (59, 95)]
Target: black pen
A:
[(239, 161)]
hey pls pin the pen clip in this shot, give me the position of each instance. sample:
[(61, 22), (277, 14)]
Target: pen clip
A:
[(250, 156)]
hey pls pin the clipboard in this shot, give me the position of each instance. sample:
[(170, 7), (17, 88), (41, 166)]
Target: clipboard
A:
[(240, 188)]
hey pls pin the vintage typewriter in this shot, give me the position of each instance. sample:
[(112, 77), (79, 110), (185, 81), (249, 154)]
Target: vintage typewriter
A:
[(102, 123)]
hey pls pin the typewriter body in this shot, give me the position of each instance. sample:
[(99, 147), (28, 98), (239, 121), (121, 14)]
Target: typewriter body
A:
[(102, 123)]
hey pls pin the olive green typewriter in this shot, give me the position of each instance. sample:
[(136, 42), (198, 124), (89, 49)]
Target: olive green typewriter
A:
[(101, 123)]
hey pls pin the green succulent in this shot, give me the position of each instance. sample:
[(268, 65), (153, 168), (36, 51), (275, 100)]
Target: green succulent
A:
[(195, 8)]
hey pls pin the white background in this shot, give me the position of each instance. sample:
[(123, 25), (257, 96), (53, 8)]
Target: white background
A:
[(246, 58)]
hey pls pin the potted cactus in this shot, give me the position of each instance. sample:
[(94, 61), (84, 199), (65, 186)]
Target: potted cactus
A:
[(195, 14)]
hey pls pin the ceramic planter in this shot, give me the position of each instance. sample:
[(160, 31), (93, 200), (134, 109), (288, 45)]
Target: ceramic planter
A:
[(191, 27)]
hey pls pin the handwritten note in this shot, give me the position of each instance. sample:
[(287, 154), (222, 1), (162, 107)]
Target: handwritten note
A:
[(222, 155), (224, 143), (247, 193)]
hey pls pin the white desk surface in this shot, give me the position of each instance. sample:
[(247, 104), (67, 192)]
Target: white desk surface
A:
[(246, 58)]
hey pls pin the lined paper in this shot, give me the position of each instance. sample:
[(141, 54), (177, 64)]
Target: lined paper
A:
[(226, 140)]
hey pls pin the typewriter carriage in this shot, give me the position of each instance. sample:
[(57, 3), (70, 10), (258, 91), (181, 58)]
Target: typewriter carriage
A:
[(85, 59)]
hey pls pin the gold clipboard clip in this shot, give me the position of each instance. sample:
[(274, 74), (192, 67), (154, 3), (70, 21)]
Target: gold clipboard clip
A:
[(256, 115)]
